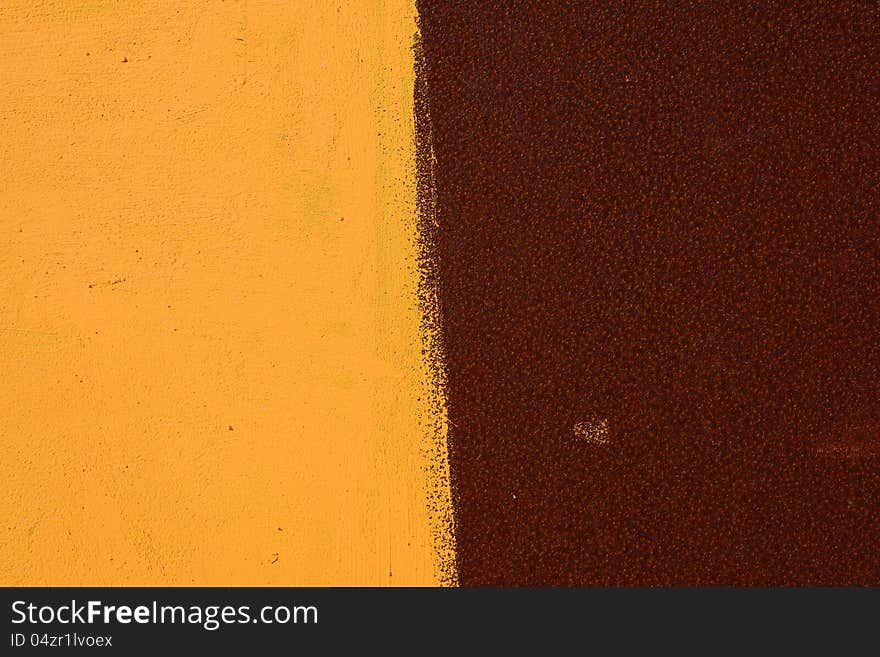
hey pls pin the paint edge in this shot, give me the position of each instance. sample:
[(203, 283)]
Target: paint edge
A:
[(441, 515)]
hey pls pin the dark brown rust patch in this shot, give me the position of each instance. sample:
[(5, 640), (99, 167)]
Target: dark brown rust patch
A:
[(661, 220)]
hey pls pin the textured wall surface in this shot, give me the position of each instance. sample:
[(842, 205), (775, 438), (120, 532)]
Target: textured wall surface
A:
[(637, 244), (659, 249), (209, 332)]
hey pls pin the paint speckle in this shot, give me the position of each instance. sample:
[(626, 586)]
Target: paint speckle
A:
[(593, 431)]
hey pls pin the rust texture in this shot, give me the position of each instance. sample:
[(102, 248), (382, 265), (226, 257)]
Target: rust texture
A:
[(657, 262)]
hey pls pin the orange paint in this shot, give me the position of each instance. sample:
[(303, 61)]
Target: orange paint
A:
[(209, 332)]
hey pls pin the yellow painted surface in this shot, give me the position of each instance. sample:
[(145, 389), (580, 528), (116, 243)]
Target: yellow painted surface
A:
[(210, 362)]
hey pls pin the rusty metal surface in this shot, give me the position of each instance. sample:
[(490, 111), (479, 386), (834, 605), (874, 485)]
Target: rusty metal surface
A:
[(658, 273)]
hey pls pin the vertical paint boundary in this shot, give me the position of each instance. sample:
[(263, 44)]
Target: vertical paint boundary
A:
[(441, 513)]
